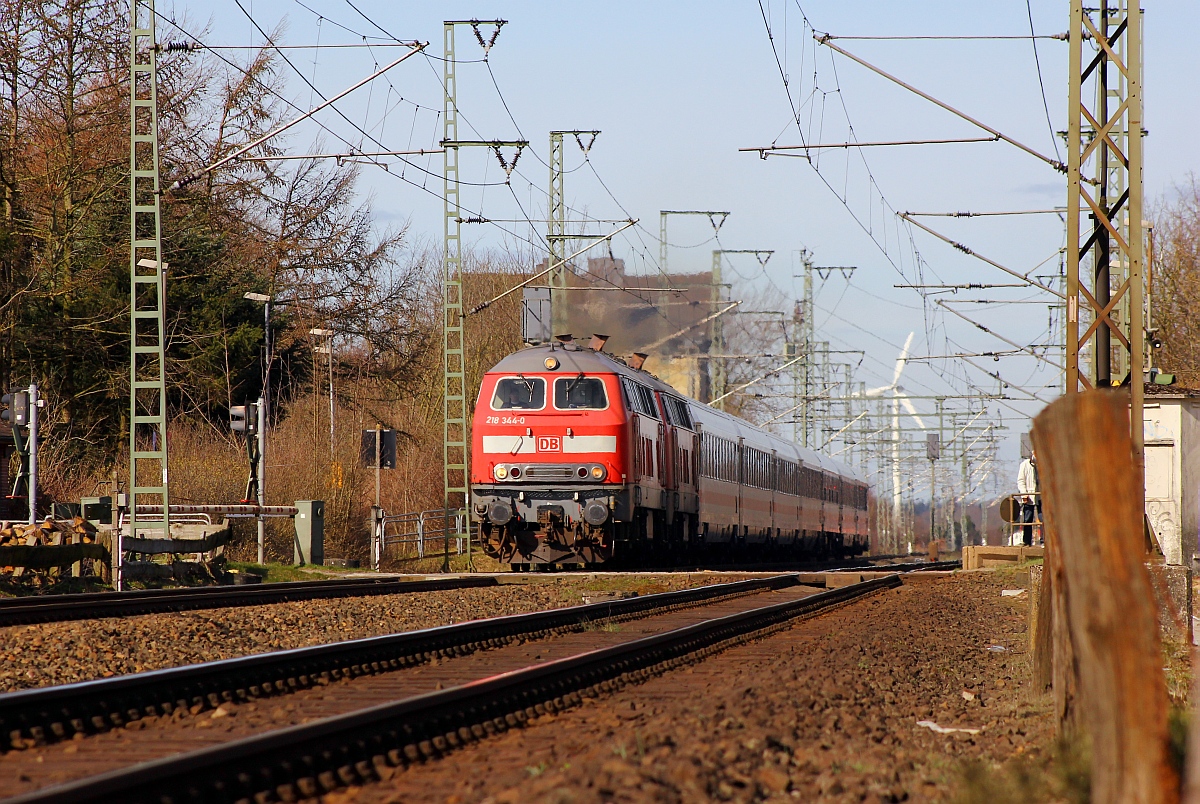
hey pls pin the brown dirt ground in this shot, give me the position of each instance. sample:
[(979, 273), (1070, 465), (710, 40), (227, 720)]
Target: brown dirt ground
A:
[(828, 709)]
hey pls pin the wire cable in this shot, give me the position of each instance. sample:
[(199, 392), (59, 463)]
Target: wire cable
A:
[(1041, 83)]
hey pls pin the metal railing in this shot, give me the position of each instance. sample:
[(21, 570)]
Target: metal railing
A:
[(1012, 510), (419, 528)]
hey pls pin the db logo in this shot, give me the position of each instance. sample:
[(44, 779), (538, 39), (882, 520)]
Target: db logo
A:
[(549, 444)]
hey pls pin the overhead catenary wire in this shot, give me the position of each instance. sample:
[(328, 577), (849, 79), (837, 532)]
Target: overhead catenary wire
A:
[(191, 177), (648, 251), (952, 38), (598, 239), (1055, 211), (1037, 62), (842, 198), (1054, 163), (771, 150), (272, 91), (358, 151), (995, 334), (996, 376), (966, 250)]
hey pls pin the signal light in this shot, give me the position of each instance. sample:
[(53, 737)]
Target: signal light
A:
[(244, 419), (16, 408)]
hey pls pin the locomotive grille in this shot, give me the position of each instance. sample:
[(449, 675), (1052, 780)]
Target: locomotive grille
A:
[(542, 472)]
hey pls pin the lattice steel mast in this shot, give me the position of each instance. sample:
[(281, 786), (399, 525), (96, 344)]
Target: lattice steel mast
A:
[(717, 369), (556, 224), (1105, 133), (147, 303), (456, 433)]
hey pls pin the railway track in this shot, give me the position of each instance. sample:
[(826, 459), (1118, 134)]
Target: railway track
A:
[(370, 741), (89, 605), (894, 563), (92, 605), (922, 566), (48, 714)]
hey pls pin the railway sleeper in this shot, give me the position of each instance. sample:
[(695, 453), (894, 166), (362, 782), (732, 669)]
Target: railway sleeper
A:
[(327, 782)]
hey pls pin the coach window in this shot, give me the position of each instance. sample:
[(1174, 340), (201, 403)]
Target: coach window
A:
[(519, 393), (580, 393)]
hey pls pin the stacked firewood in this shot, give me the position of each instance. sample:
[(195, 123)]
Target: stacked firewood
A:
[(49, 533)]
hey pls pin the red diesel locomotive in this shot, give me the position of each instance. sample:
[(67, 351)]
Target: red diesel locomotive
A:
[(579, 457)]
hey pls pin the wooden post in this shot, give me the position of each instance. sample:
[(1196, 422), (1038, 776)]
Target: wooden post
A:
[(1104, 622)]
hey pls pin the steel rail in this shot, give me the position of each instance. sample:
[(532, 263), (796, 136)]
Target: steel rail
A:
[(361, 747), (89, 605), (924, 566), (48, 714)]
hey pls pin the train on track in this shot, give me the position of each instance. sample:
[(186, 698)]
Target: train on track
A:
[(579, 457)]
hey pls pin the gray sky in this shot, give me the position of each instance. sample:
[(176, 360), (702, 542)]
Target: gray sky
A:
[(676, 88)]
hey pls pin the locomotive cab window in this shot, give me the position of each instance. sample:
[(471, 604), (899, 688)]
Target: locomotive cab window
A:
[(580, 393), (519, 393)]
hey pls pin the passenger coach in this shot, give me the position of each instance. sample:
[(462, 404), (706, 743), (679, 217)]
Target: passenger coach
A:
[(580, 457)]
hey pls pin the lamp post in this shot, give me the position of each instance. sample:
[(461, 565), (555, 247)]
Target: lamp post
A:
[(263, 402), (327, 349)]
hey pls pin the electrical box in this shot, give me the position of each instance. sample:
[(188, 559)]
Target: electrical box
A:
[(97, 510), (310, 532)]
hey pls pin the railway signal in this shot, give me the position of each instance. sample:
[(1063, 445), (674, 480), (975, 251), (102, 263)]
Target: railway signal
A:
[(377, 451), (247, 419), (19, 410), (16, 408), (244, 419)]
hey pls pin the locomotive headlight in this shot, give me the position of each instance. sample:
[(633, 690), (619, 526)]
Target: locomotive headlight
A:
[(501, 472), (598, 473), (551, 363)]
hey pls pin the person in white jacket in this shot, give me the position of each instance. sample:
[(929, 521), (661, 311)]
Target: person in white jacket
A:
[(1028, 487)]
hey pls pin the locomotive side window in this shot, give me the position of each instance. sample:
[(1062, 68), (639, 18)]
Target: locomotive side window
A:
[(519, 393), (580, 393), (641, 398), (677, 412), (650, 408)]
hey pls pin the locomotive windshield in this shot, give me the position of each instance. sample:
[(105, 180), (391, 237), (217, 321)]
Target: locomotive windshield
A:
[(519, 393), (579, 393)]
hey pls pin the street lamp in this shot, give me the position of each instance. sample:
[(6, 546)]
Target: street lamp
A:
[(327, 348)]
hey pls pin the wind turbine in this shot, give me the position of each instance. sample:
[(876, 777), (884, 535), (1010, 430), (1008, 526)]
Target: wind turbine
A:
[(899, 399)]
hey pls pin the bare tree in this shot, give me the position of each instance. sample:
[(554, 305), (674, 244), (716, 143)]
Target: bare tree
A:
[(1176, 292)]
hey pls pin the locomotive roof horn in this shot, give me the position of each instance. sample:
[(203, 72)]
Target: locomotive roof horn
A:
[(598, 341), (637, 359)]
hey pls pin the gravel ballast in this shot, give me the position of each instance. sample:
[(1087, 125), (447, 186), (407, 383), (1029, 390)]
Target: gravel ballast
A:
[(836, 708), (64, 652)]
